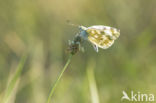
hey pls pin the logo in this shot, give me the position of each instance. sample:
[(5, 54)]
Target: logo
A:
[(140, 97)]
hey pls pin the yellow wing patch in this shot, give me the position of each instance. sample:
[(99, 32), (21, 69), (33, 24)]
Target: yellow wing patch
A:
[(100, 38)]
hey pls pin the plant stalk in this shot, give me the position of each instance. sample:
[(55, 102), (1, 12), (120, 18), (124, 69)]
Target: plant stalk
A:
[(58, 79)]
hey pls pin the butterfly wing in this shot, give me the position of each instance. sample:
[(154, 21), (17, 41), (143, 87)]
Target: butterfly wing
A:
[(106, 30), (100, 37)]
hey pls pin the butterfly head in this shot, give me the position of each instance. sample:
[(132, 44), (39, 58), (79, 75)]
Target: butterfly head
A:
[(83, 32), (82, 28)]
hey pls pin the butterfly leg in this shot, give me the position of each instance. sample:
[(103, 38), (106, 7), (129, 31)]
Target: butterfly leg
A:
[(96, 48)]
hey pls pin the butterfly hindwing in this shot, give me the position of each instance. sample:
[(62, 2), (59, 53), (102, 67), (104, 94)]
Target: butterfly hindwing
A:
[(100, 38)]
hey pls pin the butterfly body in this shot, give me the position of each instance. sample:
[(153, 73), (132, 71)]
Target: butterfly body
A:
[(99, 35)]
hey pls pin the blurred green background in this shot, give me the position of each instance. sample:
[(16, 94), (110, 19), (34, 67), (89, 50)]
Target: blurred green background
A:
[(38, 29)]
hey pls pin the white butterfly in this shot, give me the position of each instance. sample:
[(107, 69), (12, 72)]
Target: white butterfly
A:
[(99, 35)]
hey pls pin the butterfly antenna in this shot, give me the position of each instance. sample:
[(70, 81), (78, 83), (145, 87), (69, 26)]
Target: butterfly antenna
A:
[(69, 23)]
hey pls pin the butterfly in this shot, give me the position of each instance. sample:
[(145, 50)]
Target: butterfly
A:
[(99, 36)]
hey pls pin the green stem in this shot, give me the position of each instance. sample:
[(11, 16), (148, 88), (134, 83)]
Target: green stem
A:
[(58, 79), (14, 79)]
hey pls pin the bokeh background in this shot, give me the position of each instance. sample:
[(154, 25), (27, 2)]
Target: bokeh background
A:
[(38, 29)]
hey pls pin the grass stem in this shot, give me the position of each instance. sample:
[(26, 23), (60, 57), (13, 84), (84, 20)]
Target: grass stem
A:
[(58, 79), (92, 82), (14, 80)]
